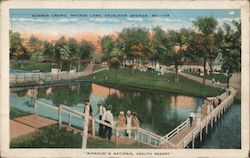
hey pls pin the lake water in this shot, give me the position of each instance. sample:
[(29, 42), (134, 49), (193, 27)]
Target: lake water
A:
[(227, 132), (157, 112)]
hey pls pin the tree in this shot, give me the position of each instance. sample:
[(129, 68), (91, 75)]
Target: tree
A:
[(134, 42), (178, 44), (60, 43), (159, 37), (17, 50), (74, 52), (232, 50), (64, 54), (215, 47), (107, 45), (35, 47), (206, 27), (85, 50), (48, 50)]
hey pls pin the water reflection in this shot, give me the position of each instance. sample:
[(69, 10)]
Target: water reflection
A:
[(158, 112)]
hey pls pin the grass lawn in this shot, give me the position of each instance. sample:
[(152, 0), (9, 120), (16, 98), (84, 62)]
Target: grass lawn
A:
[(97, 66), (151, 80), (43, 67), (53, 137), (14, 113), (83, 67), (218, 77)]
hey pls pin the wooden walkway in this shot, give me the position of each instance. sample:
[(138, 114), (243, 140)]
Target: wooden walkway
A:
[(184, 134), (28, 124)]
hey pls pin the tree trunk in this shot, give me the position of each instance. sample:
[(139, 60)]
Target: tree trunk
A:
[(211, 65), (228, 79), (21, 63), (61, 65), (79, 61), (176, 73), (132, 67), (70, 65), (204, 71)]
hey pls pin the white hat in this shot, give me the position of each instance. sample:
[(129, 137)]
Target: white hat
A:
[(129, 112), (121, 113)]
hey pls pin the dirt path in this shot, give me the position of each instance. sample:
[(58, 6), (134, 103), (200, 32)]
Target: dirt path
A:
[(235, 82), (200, 80), (89, 69)]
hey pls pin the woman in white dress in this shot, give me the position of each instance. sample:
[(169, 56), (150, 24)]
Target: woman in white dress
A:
[(129, 123)]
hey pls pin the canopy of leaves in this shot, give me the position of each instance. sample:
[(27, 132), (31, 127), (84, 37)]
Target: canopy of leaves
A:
[(133, 41), (86, 49)]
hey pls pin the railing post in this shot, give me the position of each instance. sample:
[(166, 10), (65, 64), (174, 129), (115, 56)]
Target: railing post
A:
[(200, 133), (35, 102), (69, 120), (149, 138), (206, 125), (137, 135), (85, 129), (59, 116), (211, 120), (93, 127), (192, 139), (116, 135)]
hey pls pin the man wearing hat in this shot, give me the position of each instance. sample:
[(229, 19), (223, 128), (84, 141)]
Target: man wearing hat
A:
[(102, 110), (108, 118)]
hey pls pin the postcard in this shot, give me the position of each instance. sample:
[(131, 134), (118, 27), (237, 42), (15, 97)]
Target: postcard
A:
[(124, 79)]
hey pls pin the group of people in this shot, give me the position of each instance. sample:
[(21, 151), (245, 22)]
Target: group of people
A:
[(128, 125), (206, 108), (105, 115), (130, 122)]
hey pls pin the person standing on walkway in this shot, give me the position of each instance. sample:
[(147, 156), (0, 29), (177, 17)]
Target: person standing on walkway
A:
[(129, 123), (191, 117), (101, 110), (121, 124), (89, 109), (108, 118), (135, 124), (198, 116)]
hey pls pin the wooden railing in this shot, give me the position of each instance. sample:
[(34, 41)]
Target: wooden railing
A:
[(228, 100), (224, 97), (147, 137), (48, 76)]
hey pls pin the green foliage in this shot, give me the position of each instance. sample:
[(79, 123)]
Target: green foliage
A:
[(107, 44), (49, 137), (134, 41), (206, 25), (116, 58), (48, 50), (17, 50), (53, 137), (14, 113), (86, 49), (232, 50)]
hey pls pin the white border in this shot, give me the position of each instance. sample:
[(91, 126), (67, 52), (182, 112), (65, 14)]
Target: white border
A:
[(4, 101)]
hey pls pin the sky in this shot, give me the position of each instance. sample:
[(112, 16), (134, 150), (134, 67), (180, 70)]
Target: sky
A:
[(66, 21)]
